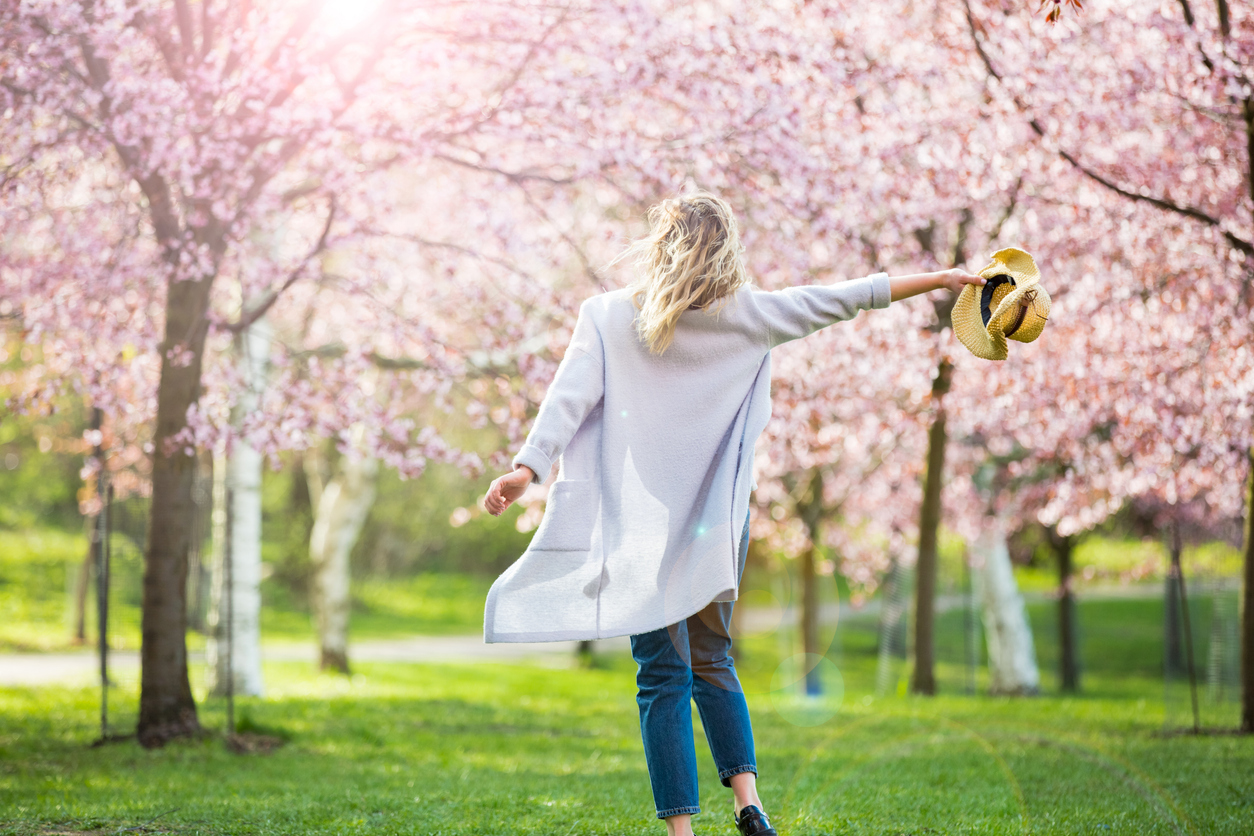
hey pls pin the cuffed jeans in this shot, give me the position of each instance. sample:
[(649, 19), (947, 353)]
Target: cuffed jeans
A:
[(683, 662)]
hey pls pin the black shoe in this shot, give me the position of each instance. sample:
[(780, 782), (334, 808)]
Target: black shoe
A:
[(753, 822)]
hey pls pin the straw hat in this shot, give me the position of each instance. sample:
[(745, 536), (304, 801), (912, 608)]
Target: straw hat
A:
[(1011, 304)]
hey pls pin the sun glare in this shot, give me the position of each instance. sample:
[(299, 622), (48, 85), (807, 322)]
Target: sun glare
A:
[(345, 14)]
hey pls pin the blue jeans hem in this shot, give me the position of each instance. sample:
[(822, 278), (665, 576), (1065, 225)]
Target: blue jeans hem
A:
[(725, 774), (678, 811)]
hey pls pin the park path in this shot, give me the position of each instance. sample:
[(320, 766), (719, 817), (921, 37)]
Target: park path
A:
[(30, 669), (81, 666)]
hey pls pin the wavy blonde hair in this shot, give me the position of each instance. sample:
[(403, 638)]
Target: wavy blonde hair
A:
[(691, 258)]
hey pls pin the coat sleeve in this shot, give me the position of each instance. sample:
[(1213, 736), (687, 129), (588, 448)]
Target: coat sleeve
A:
[(577, 388), (796, 312)]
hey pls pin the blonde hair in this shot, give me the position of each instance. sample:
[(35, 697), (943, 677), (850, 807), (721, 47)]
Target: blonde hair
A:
[(691, 258)]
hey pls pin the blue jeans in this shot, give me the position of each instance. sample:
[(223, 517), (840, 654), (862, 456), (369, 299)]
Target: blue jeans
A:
[(668, 658)]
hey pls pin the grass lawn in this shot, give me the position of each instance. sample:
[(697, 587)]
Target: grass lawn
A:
[(39, 568), (486, 749), (504, 749)]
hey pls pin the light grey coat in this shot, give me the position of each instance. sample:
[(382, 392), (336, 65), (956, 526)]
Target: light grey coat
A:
[(642, 526)]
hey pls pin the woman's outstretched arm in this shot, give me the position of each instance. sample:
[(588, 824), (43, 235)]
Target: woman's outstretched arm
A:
[(903, 287), (796, 312)]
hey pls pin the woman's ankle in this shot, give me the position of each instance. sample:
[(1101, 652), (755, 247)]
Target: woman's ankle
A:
[(744, 791), (680, 825)]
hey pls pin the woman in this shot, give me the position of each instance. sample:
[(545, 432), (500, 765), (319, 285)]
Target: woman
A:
[(653, 415)]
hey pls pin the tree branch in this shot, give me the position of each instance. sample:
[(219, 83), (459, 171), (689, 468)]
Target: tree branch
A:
[(1234, 240), (1010, 210), (873, 252), (206, 28), (1225, 18), (183, 16), (459, 248), (588, 269), (387, 363), (1188, 13), (959, 255), (247, 318), (512, 176), (1187, 211)]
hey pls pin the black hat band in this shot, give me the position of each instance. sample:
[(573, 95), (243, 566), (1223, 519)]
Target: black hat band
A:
[(986, 299)]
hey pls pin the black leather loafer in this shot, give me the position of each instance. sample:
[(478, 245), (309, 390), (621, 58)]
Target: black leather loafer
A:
[(753, 822)]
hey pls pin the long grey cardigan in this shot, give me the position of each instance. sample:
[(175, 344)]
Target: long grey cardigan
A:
[(641, 528)]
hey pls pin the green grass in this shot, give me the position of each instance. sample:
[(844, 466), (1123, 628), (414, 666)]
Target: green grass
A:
[(487, 749), (1110, 560), (428, 604), (39, 569), (400, 749), (37, 572)]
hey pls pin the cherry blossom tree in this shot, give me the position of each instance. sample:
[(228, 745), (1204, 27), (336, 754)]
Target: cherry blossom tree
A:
[(417, 196), (150, 151), (1167, 192)]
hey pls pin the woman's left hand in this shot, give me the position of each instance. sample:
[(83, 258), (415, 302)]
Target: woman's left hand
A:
[(507, 489), (954, 280)]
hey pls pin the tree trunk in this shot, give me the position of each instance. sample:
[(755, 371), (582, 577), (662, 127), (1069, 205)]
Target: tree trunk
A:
[(166, 707), (199, 575), (339, 514), (810, 621), (893, 626), (1011, 655), (81, 583), (1068, 658), (1173, 649), (92, 531), (1247, 605), (242, 474), (923, 680), (810, 509), (1176, 547)]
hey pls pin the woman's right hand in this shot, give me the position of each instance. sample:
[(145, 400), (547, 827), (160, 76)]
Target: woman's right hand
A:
[(506, 489)]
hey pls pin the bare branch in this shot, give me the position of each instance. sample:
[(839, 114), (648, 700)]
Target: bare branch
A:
[(979, 47), (959, 254), (512, 176), (1187, 211), (460, 248), (1191, 22), (1010, 210), (1188, 13), (247, 318), (533, 47), (388, 363), (588, 269)]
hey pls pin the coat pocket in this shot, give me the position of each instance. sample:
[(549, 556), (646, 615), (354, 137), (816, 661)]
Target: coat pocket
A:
[(569, 517)]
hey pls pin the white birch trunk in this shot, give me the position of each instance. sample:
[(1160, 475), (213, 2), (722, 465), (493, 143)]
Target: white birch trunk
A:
[(1011, 655), (241, 472), (341, 505)]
